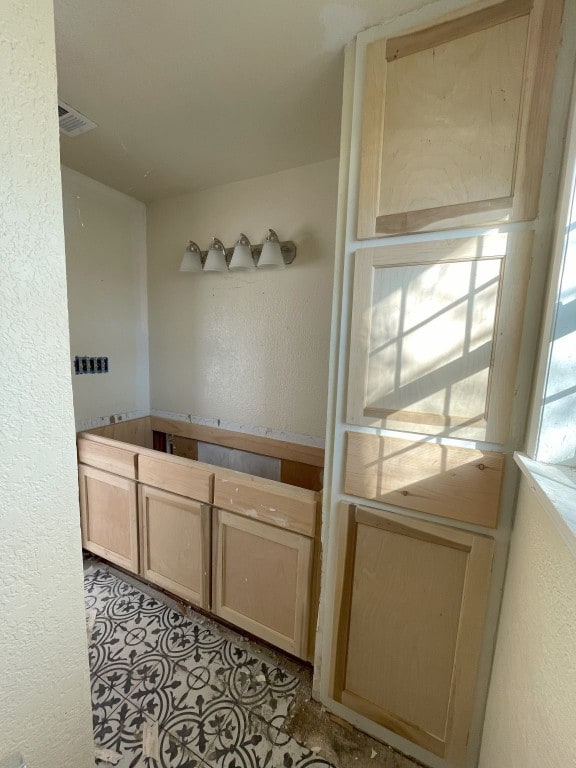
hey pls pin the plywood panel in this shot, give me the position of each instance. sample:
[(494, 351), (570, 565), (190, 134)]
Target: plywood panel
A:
[(185, 447), (302, 475), (172, 473), (265, 446), (108, 510), (262, 580), (458, 483), (435, 337), (108, 457), (414, 606), (455, 119), (276, 503), (451, 121), (175, 544), (133, 431)]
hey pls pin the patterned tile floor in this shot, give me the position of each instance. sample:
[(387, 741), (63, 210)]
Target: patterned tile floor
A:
[(170, 692)]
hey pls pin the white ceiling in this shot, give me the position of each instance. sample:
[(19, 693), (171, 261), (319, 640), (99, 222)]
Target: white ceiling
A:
[(188, 94)]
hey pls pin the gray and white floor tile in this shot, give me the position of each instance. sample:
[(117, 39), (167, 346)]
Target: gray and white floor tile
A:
[(212, 703)]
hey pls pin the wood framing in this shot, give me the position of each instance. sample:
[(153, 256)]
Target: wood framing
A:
[(435, 335), (265, 446), (108, 510), (262, 579), (175, 544), (133, 431), (455, 118), (459, 483), (411, 623)]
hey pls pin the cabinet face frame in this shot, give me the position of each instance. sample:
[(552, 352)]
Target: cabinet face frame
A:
[(479, 550), (86, 473), (514, 252), (200, 598), (298, 644), (521, 204)]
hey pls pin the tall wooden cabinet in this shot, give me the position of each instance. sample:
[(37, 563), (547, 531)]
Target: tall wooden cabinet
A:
[(445, 125)]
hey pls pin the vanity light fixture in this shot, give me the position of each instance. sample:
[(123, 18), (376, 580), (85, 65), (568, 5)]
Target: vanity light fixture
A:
[(216, 257), (242, 257), (271, 254), (192, 258)]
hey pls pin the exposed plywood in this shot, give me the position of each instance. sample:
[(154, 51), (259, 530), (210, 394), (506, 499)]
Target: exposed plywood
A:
[(455, 118), (437, 139), (180, 476), (107, 456), (411, 626), (185, 447), (302, 475), (459, 483), (175, 547), (281, 505), (133, 431), (108, 507), (436, 331), (265, 446), (262, 580)]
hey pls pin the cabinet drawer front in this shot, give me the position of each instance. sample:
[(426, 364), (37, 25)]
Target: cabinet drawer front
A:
[(107, 457), (108, 510), (175, 544), (276, 503), (459, 483), (181, 476), (262, 580)]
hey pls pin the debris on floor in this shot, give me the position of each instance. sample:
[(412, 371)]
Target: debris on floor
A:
[(172, 688)]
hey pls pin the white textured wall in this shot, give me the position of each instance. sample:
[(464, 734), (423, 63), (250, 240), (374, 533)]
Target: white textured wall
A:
[(106, 266), (44, 684), (248, 348), (531, 714)]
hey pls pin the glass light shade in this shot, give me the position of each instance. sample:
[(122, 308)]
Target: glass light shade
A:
[(191, 260), (242, 257), (271, 256), (216, 259)]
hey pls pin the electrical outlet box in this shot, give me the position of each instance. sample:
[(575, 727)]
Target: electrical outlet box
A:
[(83, 365)]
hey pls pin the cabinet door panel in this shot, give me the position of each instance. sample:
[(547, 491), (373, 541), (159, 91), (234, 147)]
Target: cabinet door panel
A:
[(108, 506), (411, 625), (175, 552), (262, 580), (455, 119), (435, 335)]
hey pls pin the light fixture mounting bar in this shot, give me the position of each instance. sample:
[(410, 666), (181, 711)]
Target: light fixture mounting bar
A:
[(288, 248)]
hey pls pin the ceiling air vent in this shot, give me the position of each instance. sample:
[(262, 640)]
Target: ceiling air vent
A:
[(72, 123)]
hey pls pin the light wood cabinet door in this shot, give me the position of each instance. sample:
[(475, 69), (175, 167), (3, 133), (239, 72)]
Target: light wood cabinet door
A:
[(435, 335), (262, 580), (175, 544), (454, 120), (109, 516), (413, 604)]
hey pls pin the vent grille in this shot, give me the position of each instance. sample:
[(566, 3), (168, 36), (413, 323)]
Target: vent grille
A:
[(72, 122)]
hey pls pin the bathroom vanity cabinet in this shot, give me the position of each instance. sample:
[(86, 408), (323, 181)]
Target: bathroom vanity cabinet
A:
[(242, 547)]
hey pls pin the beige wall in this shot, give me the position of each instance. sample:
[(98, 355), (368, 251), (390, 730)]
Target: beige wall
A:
[(106, 266), (44, 685), (246, 348), (531, 715)]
